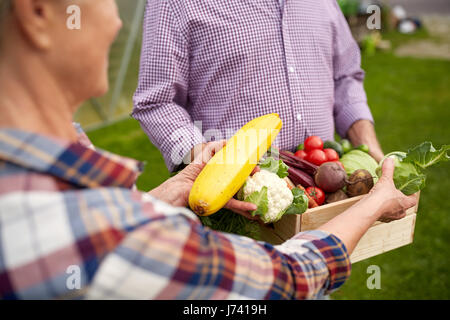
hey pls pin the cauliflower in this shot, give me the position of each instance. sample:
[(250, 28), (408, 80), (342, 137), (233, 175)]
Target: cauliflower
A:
[(268, 189)]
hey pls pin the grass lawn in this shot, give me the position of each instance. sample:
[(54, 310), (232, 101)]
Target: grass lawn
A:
[(410, 100)]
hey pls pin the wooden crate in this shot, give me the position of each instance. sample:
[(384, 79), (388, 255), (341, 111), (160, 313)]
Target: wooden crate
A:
[(381, 237)]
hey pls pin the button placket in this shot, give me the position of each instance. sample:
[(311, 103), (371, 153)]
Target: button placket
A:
[(293, 78)]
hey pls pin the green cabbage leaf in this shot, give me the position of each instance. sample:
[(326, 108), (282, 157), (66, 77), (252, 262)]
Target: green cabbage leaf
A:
[(299, 204), (357, 159), (275, 166), (409, 174)]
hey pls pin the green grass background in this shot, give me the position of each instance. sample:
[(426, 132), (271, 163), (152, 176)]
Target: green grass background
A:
[(410, 101)]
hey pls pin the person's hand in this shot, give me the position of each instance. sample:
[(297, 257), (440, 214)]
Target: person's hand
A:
[(241, 207), (175, 191), (363, 132), (194, 153), (393, 202), (377, 154)]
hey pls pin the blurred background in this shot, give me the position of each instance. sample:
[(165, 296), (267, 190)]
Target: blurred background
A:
[(407, 66)]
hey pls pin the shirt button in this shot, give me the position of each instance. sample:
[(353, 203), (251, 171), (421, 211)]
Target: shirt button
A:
[(291, 69), (299, 117)]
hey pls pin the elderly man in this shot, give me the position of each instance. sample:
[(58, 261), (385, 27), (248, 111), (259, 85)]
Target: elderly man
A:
[(208, 67)]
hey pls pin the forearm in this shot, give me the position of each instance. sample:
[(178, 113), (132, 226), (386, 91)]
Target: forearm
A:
[(352, 224), (169, 193), (363, 132), (353, 118), (162, 95), (171, 129)]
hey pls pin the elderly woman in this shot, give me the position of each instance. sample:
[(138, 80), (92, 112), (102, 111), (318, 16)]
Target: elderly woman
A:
[(71, 227)]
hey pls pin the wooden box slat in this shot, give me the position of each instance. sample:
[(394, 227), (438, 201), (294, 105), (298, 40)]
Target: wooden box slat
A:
[(385, 237), (314, 218), (381, 237)]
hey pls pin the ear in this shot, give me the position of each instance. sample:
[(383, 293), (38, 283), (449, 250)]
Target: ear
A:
[(35, 19)]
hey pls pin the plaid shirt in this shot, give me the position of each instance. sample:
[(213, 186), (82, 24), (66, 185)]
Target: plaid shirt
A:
[(67, 211), (209, 67)]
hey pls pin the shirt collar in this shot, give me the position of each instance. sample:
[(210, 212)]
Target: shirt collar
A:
[(72, 162)]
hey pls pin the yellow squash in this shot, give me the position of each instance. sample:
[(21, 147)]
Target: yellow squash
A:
[(227, 171)]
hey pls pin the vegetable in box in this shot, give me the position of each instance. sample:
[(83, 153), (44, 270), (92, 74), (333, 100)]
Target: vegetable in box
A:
[(269, 191), (410, 166)]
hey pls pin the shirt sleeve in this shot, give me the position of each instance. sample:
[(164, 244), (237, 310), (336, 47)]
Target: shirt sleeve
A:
[(175, 257), (83, 139), (135, 166), (161, 97), (350, 97)]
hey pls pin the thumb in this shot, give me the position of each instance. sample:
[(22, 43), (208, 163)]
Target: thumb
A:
[(388, 168), (209, 151)]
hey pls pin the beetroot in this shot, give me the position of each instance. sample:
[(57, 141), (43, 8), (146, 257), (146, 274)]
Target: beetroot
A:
[(298, 177), (336, 196), (360, 182), (296, 162), (330, 177)]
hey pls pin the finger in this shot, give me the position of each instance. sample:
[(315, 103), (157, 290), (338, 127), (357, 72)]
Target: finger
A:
[(257, 169), (209, 150), (246, 215), (414, 197), (242, 206), (215, 146), (398, 216), (409, 202), (388, 168)]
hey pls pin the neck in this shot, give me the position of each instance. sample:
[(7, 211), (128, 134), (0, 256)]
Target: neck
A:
[(31, 99)]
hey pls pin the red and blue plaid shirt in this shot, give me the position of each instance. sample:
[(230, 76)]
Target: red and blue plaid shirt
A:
[(71, 227)]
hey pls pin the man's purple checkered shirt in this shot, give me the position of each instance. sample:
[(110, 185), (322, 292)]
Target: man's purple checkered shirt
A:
[(208, 67)]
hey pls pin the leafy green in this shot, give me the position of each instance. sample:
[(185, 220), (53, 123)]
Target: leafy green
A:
[(410, 184), (259, 198), (273, 152), (357, 159), (299, 204), (227, 221), (425, 155), (409, 167), (275, 166)]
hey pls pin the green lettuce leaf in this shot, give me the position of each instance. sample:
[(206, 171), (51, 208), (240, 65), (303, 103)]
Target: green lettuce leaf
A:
[(357, 159), (259, 198), (410, 184), (409, 170), (275, 166), (407, 177), (299, 204), (273, 152), (425, 155)]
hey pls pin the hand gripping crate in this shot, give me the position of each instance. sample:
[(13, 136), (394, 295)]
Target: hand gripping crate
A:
[(381, 237)]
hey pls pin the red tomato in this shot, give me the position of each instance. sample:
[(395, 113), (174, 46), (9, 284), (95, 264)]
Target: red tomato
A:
[(317, 194), (301, 154), (313, 143), (316, 156), (331, 155)]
